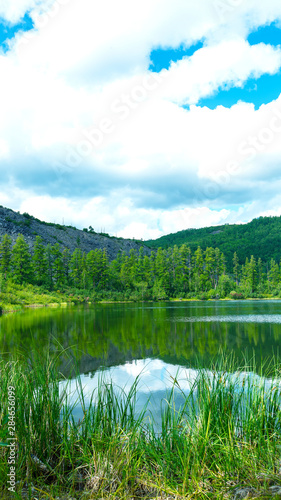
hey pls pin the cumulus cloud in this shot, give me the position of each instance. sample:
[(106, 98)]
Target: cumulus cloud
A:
[(87, 129), (14, 11), (227, 64)]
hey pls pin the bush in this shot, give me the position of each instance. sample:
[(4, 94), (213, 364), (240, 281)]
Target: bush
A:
[(27, 216), (236, 295), (212, 294)]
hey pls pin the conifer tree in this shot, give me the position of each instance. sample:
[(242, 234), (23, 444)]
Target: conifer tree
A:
[(58, 268), (65, 261), (6, 255), (49, 260), (21, 261), (210, 270), (273, 275), (236, 268), (198, 269), (260, 274), (76, 268), (162, 270), (39, 262)]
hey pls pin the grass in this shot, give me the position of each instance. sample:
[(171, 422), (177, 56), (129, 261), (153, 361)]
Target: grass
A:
[(15, 297), (225, 435)]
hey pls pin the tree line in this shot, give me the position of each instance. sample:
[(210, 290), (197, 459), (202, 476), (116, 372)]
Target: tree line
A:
[(261, 238), (172, 272)]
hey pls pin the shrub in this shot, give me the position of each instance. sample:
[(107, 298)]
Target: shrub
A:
[(27, 216), (212, 294), (236, 295)]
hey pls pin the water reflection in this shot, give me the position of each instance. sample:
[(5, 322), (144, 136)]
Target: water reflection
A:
[(155, 381), (114, 334)]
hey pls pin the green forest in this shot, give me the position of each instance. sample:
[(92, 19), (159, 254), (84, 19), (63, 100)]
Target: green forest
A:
[(261, 238), (176, 272)]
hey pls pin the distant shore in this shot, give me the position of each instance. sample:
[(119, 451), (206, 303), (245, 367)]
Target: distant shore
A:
[(68, 301)]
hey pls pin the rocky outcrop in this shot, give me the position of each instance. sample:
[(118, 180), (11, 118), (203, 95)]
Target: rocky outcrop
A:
[(14, 223)]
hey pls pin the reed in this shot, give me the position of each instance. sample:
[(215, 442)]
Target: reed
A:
[(225, 433)]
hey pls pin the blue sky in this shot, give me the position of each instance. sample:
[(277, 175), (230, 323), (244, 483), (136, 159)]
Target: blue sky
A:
[(8, 30), (255, 90), (141, 124), (161, 58)]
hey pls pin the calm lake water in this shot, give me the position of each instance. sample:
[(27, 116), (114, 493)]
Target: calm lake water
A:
[(157, 340)]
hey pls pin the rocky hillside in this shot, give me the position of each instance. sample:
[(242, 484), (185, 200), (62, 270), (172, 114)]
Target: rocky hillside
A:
[(14, 223)]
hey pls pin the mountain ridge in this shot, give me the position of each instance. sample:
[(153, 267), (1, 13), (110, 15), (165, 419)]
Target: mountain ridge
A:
[(14, 223), (260, 237)]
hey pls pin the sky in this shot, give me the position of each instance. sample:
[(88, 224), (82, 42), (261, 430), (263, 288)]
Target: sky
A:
[(141, 118)]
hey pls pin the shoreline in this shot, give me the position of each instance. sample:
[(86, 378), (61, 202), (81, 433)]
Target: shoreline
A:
[(66, 304)]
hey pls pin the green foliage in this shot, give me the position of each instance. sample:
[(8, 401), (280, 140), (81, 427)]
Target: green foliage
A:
[(259, 238), (173, 272), (225, 285), (39, 262), (21, 261), (27, 216), (6, 254)]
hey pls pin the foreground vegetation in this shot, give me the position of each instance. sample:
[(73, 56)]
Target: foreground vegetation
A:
[(223, 439)]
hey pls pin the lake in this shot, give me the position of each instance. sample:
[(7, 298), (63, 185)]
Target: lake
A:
[(158, 341)]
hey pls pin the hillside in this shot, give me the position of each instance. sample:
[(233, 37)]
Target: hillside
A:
[(261, 238), (14, 223)]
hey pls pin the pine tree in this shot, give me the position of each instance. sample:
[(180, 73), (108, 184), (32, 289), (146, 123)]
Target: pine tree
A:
[(273, 275), (210, 269), (49, 260), (260, 275), (65, 260), (236, 268), (76, 268), (162, 270), (39, 262), (104, 272), (198, 268), (148, 274), (253, 273), (6, 255), (21, 261), (249, 276), (58, 268)]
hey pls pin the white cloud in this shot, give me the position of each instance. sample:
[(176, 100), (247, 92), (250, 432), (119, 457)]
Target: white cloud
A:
[(160, 168), (120, 218), (14, 11), (227, 64)]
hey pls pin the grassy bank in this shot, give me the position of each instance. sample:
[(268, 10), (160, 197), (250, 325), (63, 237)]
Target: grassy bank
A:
[(224, 439), (15, 297)]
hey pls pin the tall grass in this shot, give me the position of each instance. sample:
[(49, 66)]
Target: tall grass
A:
[(226, 432)]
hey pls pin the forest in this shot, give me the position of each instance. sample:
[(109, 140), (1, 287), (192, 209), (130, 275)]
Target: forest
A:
[(176, 272), (261, 238)]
